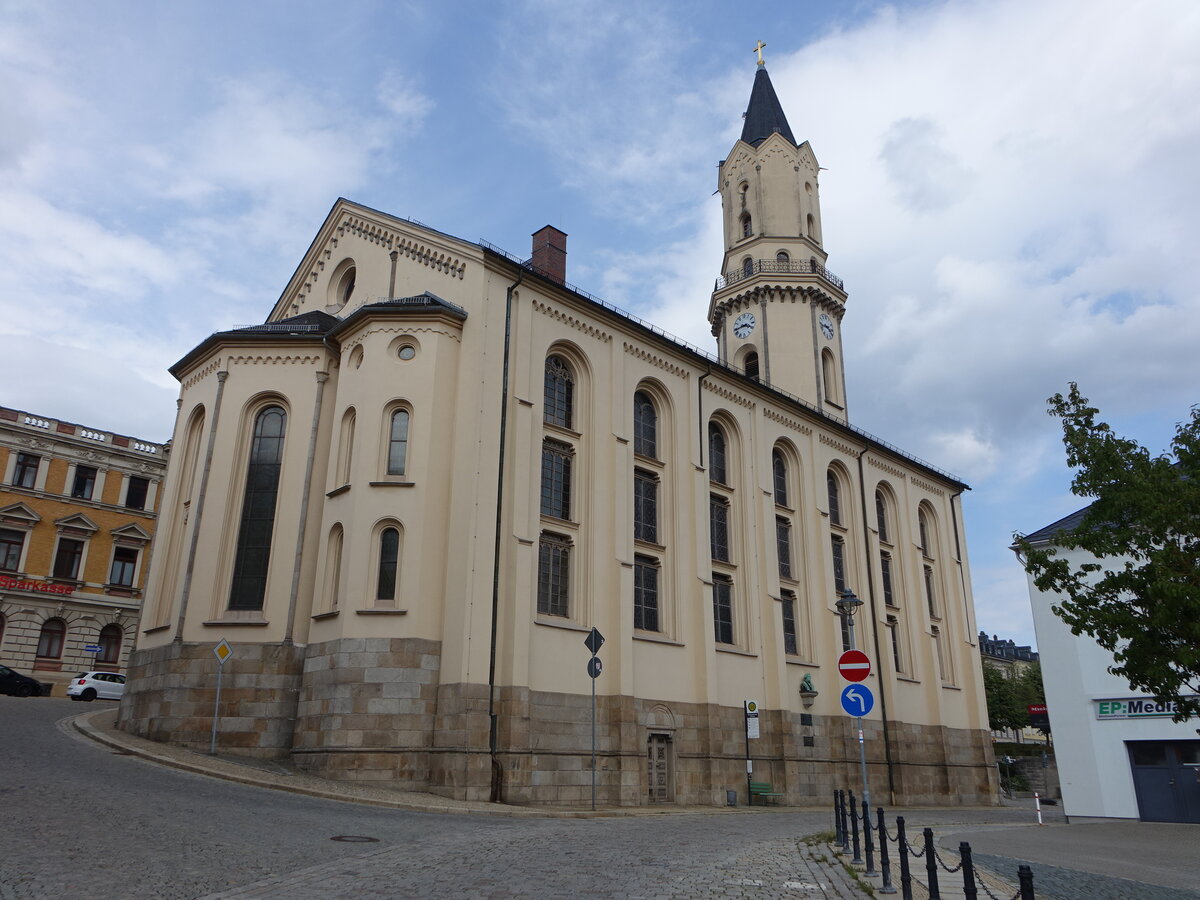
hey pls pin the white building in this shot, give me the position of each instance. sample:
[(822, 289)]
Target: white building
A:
[(1119, 754)]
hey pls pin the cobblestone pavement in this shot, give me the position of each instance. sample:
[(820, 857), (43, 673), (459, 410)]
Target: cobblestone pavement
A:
[(1057, 883)]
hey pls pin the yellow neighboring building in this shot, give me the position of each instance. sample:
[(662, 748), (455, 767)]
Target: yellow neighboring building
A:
[(407, 497), (78, 507)]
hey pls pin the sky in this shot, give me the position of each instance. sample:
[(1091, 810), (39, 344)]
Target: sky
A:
[(1010, 194)]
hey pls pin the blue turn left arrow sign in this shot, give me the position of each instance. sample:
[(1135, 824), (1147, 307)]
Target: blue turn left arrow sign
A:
[(857, 699)]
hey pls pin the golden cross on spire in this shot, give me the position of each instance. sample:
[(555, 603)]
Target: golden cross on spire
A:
[(758, 49)]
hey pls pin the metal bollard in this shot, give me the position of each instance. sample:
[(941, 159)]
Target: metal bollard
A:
[(931, 866), (884, 863), (968, 870), (1025, 877), (845, 826), (837, 818), (905, 874), (868, 841), (857, 860)]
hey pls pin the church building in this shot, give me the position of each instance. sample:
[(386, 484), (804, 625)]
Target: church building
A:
[(407, 498)]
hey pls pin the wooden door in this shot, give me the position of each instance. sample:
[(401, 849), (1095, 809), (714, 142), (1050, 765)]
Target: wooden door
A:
[(661, 769)]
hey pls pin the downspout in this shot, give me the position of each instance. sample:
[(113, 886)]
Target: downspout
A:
[(700, 409), (186, 592), (497, 769), (887, 743), (322, 377)]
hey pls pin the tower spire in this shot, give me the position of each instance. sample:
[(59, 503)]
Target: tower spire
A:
[(764, 115)]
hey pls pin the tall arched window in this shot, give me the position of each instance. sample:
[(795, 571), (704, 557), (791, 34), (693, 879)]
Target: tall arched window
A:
[(50, 641), (398, 442), (779, 477), (258, 510), (346, 448), (110, 644), (835, 498), (716, 454), (389, 561), (559, 393), (812, 227), (333, 567), (747, 227), (923, 533), (645, 426), (881, 516)]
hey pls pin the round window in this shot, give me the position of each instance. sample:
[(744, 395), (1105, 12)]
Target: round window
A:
[(407, 351)]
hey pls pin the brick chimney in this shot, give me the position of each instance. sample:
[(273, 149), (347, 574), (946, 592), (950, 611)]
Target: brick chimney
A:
[(550, 253)]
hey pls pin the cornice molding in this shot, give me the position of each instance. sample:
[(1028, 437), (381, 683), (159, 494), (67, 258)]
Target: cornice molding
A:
[(655, 360), (786, 422), (578, 324)]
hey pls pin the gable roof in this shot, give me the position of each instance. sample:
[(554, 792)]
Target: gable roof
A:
[(1047, 534), (764, 115)]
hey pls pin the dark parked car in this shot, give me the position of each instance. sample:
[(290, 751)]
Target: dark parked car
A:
[(15, 683)]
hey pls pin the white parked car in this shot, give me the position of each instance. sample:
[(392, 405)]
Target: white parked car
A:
[(90, 685)]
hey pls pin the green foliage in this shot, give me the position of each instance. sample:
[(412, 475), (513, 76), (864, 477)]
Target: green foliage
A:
[(1008, 698), (1140, 597)]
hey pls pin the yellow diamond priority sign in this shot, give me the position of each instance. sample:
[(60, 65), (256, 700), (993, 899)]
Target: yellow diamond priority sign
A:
[(222, 651)]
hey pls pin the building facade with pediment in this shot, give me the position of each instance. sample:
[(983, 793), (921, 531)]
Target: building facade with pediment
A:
[(78, 509), (407, 497)]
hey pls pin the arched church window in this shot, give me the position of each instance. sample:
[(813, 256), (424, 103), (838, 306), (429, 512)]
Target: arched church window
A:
[(829, 376), (782, 256), (258, 510), (559, 396), (398, 443), (716, 454), (645, 426), (779, 477), (747, 267), (835, 498), (389, 558), (747, 228), (812, 227)]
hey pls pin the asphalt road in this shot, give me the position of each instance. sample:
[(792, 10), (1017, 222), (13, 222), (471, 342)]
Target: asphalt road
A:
[(81, 821)]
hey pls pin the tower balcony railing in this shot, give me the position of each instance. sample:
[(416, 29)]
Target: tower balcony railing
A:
[(753, 267)]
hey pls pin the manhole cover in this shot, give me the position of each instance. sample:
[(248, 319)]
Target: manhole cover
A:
[(355, 839)]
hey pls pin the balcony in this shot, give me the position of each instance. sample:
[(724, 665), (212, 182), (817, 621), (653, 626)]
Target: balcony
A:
[(778, 267)]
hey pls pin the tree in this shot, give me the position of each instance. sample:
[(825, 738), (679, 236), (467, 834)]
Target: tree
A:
[(1139, 594), (1009, 696)]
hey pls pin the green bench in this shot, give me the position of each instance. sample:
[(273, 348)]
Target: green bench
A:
[(763, 789)]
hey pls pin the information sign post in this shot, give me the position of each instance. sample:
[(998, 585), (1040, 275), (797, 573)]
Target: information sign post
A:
[(750, 707), (222, 652)]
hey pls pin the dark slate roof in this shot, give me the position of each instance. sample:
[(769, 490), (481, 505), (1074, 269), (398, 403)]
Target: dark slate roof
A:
[(1067, 523), (764, 115), (422, 301), (309, 323)]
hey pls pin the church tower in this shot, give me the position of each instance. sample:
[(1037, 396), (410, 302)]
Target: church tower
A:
[(776, 311)]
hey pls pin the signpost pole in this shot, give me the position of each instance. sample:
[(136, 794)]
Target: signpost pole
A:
[(212, 747), (848, 605), (593, 680), (749, 765)]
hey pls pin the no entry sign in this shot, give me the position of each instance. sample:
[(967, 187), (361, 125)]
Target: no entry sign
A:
[(853, 665)]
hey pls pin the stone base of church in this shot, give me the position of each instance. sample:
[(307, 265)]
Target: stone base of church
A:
[(373, 710)]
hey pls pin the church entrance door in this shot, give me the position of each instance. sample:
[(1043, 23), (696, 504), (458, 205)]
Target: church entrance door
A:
[(661, 768)]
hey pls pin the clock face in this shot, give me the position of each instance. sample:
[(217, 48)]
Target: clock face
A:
[(743, 325), (826, 326)]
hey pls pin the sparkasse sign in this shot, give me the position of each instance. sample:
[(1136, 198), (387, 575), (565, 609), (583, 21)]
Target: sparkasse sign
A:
[(1134, 708)]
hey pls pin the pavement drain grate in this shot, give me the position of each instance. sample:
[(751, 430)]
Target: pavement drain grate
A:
[(354, 839)]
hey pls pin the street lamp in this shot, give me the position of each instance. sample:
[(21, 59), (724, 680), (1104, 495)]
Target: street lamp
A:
[(847, 606)]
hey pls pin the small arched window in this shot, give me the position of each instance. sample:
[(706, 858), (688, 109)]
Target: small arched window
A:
[(782, 257), (812, 227), (346, 447), (110, 644), (50, 641), (835, 498), (747, 228), (258, 510), (559, 393), (398, 442), (645, 426), (750, 365), (333, 567), (389, 560), (881, 516), (747, 267), (716, 455), (779, 477)]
